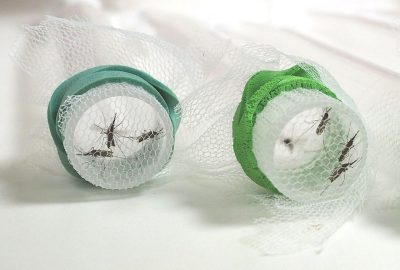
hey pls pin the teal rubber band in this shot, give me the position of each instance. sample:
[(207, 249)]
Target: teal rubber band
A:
[(261, 88), (84, 81)]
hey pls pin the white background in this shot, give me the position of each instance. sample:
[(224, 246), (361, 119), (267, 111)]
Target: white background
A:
[(62, 223)]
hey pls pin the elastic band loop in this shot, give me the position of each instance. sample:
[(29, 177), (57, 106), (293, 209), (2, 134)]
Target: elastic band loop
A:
[(86, 80), (259, 90)]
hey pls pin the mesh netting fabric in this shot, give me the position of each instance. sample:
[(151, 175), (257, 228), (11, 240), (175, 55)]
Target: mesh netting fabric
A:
[(313, 198), (295, 157), (142, 140), (57, 49), (140, 121)]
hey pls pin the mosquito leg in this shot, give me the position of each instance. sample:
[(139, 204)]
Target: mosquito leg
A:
[(323, 191), (79, 150), (348, 133), (103, 168), (104, 164), (313, 122), (160, 134), (103, 141), (104, 119), (98, 138), (131, 138), (303, 133), (344, 178), (124, 113), (103, 130), (117, 143), (89, 163)]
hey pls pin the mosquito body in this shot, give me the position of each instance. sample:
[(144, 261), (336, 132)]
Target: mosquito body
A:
[(324, 121), (349, 145), (97, 153), (338, 171), (147, 135), (105, 157), (113, 136), (110, 133)]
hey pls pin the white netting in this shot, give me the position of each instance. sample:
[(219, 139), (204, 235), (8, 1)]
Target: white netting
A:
[(381, 110), (306, 157), (136, 149), (56, 49), (321, 184)]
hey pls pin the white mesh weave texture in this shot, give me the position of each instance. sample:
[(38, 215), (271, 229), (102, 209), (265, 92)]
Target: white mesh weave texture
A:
[(303, 218), (56, 49), (139, 146), (300, 161)]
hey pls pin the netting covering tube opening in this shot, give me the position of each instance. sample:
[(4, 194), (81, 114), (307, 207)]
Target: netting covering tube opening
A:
[(139, 146), (270, 100), (301, 207), (55, 51), (305, 157), (108, 145)]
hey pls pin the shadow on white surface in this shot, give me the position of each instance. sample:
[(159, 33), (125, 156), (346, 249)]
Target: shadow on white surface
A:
[(216, 203), (22, 184), (211, 203), (386, 218), (383, 205)]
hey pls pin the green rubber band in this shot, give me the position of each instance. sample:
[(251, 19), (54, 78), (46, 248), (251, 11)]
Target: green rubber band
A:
[(261, 88), (84, 81)]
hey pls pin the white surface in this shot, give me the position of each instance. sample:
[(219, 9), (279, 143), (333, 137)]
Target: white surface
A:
[(57, 222)]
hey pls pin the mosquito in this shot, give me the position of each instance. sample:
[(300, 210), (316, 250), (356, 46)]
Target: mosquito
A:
[(147, 135), (105, 156), (97, 153), (319, 130), (110, 132), (94, 154), (324, 121), (338, 171), (112, 135), (349, 145)]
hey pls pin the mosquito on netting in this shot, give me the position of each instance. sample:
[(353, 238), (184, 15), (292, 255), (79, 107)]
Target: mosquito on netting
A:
[(322, 124), (112, 134), (342, 168), (94, 154), (348, 146), (97, 153), (324, 121), (147, 135)]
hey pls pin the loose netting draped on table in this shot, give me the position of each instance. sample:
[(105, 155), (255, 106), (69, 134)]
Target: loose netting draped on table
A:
[(286, 124), (379, 104), (113, 100)]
